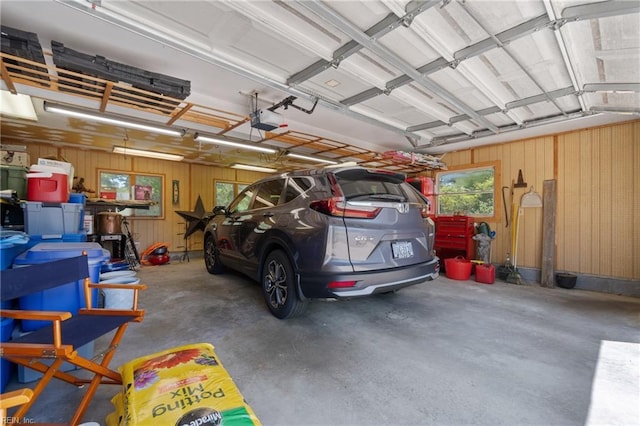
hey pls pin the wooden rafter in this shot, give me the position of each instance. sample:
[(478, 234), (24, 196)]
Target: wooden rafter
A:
[(18, 71)]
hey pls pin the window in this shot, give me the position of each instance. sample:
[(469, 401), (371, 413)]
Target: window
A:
[(243, 202), (470, 192), (296, 187), (269, 194), (137, 189), (226, 191)]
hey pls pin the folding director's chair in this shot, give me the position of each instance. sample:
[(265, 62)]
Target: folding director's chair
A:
[(59, 341)]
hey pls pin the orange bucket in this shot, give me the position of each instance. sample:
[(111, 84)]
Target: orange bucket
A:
[(458, 268)]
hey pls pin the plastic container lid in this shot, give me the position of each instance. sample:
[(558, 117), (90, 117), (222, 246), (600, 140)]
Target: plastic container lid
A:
[(9, 239), (78, 198), (45, 252)]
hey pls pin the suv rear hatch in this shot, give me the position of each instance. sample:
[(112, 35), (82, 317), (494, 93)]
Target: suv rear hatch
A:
[(385, 219)]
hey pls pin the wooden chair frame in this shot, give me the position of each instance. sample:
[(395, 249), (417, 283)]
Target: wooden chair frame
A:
[(59, 341)]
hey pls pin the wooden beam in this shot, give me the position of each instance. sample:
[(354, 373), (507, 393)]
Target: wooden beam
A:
[(7, 78), (549, 199), (179, 114), (105, 97)]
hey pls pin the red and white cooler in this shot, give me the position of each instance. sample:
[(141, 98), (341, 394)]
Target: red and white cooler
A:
[(48, 184)]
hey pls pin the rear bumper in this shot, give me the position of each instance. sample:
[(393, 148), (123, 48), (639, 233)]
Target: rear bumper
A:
[(368, 283)]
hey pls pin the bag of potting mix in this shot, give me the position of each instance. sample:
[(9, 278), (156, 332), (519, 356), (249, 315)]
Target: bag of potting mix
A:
[(182, 386)]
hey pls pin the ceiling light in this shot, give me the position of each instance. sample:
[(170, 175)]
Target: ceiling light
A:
[(316, 159), (253, 168), (17, 105), (207, 139), (332, 83), (73, 112), (150, 154)]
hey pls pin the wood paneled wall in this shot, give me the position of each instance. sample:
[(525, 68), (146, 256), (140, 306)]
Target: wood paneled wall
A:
[(599, 201), (597, 172), (598, 212)]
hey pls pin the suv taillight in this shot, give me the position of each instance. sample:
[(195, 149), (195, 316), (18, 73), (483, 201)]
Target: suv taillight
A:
[(335, 206), (424, 212)]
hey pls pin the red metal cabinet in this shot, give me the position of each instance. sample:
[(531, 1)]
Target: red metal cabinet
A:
[(454, 237), (424, 184)]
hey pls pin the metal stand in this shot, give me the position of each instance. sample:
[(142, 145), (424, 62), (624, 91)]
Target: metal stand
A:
[(130, 250), (185, 253)]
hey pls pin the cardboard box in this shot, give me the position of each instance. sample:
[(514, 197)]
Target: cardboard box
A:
[(108, 194), (142, 192), (67, 167), (14, 158)]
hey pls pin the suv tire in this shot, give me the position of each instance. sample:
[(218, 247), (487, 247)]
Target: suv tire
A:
[(211, 257), (278, 286)]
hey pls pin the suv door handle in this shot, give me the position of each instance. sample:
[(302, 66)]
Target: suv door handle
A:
[(269, 214)]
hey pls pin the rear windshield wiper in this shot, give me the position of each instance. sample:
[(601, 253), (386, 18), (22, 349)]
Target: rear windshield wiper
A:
[(385, 197)]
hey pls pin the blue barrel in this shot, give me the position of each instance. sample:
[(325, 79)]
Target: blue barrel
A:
[(68, 297), (6, 367)]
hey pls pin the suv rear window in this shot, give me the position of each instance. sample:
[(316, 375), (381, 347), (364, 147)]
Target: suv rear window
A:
[(269, 194), (359, 183)]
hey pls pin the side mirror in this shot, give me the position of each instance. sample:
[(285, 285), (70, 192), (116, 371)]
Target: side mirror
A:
[(219, 210)]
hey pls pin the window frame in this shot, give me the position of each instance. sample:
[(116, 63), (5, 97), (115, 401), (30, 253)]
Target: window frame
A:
[(138, 213), (497, 180)]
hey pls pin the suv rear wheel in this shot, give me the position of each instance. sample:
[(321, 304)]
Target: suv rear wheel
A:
[(211, 257), (278, 286)]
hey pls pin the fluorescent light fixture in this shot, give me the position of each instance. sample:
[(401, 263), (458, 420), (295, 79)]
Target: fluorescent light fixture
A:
[(315, 159), (17, 106), (207, 139), (73, 112), (150, 154), (253, 168)]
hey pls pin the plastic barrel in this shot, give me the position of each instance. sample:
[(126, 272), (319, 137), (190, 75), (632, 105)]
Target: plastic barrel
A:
[(117, 298), (116, 274), (6, 367)]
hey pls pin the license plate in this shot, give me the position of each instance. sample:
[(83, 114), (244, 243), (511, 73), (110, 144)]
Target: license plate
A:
[(402, 249)]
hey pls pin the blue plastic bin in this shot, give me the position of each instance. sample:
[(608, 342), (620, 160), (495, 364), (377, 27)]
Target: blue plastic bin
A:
[(51, 218), (79, 199), (6, 367), (69, 297), (12, 244)]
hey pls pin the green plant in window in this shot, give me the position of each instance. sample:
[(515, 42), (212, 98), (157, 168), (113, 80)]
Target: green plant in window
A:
[(468, 192)]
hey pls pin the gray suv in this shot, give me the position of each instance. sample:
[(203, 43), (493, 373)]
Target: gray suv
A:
[(325, 233)]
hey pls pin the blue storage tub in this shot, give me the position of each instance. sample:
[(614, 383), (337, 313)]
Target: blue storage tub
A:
[(68, 297), (79, 199), (12, 243), (51, 218), (6, 367)]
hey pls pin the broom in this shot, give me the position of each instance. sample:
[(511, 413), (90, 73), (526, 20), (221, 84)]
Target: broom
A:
[(514, 276)]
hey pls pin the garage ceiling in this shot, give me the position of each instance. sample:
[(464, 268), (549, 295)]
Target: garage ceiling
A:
[(366, 77)]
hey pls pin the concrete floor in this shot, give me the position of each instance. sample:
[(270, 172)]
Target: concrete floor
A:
[(443, 353)]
